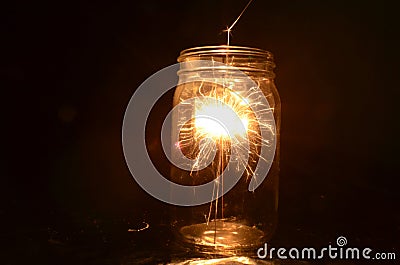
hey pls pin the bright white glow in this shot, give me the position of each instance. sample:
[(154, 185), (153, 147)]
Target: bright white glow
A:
[(213, 120)]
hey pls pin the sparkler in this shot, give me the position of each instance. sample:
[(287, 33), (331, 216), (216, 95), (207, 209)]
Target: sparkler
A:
[(220, 129)]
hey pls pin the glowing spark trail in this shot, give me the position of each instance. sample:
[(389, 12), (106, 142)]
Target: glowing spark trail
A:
[(229, 29)]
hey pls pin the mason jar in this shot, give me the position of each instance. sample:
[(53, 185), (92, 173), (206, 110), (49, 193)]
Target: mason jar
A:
[(227, 124)]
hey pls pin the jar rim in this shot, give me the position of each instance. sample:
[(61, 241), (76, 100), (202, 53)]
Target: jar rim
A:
[(224, 50)]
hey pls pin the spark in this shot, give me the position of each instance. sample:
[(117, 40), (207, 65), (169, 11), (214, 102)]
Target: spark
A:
[(228, 30), (145, 226)]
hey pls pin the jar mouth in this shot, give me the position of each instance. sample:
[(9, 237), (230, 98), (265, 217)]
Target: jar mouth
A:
[(224, 50), (246, 59)]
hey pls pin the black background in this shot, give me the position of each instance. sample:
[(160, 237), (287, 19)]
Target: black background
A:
[(70, 69)]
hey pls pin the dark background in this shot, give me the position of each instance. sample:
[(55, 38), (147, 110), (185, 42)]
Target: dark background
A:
[(69, 69)]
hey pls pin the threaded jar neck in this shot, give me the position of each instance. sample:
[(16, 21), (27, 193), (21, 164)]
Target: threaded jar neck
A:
[(246, 59)]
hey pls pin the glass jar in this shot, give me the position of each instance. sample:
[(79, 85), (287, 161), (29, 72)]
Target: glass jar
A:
[(220, 128)]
